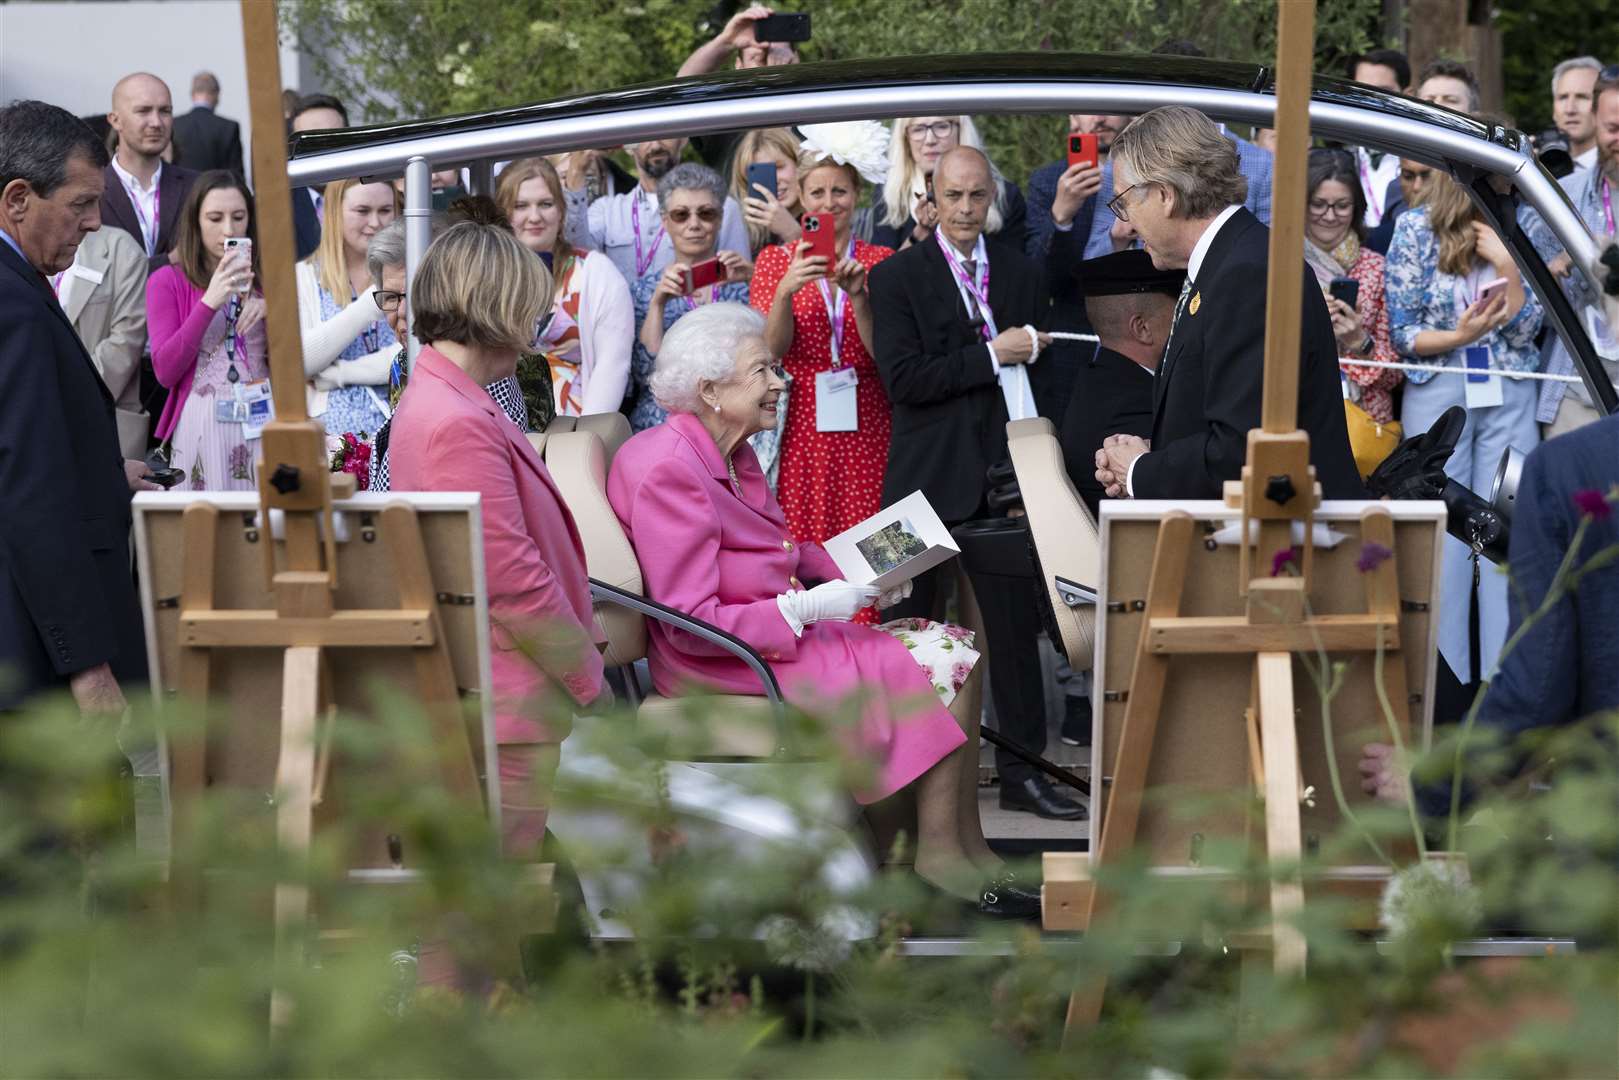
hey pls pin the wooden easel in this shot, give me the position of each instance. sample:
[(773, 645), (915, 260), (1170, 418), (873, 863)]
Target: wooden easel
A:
[(1277, 490), (296, 494)]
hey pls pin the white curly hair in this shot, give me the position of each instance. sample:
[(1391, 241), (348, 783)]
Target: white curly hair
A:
[(701, 346)]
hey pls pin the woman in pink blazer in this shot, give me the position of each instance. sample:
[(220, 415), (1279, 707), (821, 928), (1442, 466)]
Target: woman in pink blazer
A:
[(712, 542), (449, 435)]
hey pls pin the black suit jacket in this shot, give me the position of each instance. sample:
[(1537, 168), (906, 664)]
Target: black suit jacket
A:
[(1113, 395), (204, 141), (949, 415), (1394, 203), (1210, 385), (305, 225), (67, 600), (172, 188)]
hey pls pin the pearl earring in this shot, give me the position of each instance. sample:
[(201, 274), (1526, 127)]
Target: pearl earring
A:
[(716, 408)]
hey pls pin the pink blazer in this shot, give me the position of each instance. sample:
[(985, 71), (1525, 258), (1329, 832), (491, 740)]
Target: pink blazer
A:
[(723, 558), (449, 435)]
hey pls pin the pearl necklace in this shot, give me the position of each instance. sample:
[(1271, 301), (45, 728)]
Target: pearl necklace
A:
[(730, 467)]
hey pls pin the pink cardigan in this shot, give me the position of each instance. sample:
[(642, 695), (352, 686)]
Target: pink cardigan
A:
[(723, 558), (449, 435), (176, 319)]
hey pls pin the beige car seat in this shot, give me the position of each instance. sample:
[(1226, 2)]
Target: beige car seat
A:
[(1066, 541)]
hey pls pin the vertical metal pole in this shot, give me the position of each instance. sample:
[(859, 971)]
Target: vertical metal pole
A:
[(418, 234), (481, 175)]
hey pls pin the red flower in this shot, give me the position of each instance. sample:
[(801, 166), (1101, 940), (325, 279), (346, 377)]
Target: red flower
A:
[(1279, 561), (1372, 555), (1593, 504)]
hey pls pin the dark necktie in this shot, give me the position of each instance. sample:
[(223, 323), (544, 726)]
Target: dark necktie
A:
[(976, 316), (1180, 307)]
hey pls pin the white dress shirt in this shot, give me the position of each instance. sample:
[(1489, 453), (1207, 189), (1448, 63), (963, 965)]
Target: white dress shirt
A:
[(1586, 160), (1193, 265), (146, 203), (1374, 182), (1014, 378)]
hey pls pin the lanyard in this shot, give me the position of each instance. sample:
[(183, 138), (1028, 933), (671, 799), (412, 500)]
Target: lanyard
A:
[(837, 313), (978, 289), (643, 261), (1366, 185), (148, 225), (56, 283), (689, 304), (1607, 205), (234, 345)]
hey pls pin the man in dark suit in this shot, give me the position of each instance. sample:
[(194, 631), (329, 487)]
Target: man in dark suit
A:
[(144, 194), (202, 139), (955, 323), (1181, 191), (1130, 303), (316, 112), (68, 616)]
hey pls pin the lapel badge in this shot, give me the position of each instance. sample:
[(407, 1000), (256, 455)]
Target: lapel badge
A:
[(1197, 302)]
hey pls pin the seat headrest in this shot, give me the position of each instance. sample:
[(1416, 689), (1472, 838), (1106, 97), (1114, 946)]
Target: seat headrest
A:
[(577, 462), (612, 428), (1066, 541)]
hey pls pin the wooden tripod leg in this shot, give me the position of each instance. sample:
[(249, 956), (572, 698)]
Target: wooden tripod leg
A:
[(1283, 829), (188, 747), (1136, 736), (295, 784)]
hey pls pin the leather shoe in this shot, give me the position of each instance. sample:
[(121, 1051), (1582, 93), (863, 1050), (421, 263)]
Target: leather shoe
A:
[(1003, 898), (1037, 795)]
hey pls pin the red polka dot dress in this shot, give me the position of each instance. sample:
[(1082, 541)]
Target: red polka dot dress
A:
[(829, 480)]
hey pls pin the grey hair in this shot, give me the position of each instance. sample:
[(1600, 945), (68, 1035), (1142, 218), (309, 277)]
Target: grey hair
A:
[(1182, 149), (690, 176), (387, 246), (1575, 64), (701, 346), (36, 142)]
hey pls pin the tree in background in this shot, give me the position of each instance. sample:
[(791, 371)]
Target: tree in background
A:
[(392, 60), (1536, 36)]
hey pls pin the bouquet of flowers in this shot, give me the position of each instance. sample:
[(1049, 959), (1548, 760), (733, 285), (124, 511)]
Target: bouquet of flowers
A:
[(351, 453)]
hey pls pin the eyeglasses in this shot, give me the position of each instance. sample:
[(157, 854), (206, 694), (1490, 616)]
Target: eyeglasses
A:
[(1116, 204), (939, 129), (682, 214), (389, 300), (1321, 208)]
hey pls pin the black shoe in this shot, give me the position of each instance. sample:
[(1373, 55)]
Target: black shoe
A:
[(1076, 721), (1037, 795), (1003, 898)]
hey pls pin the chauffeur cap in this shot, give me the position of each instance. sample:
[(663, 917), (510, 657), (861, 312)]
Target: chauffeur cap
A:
[(1125, 272)]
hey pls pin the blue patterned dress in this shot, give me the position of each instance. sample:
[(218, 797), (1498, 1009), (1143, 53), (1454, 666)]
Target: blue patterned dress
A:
[(358, 409), (645, 411)]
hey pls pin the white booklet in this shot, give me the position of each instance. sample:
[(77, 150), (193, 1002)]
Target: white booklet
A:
[(894, 545)]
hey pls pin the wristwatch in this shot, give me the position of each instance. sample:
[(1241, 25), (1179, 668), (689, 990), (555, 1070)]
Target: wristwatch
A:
[(1366, 346)]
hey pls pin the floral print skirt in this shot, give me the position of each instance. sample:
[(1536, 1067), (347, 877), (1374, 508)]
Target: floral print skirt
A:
[(943, 651), (213, 456)]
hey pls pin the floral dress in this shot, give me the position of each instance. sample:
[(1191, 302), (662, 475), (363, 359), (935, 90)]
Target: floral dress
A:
[(217, 456), (943, 651), (357, 409), (1375, 386), (645, 412)]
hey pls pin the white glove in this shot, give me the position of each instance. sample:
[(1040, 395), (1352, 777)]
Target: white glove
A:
[(838, 601), (328, 379), (899, 592)]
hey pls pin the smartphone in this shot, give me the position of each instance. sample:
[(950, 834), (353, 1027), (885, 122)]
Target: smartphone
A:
[(246, 244), (928, 180), (1345, 289), (706, 273), (1082, 149), (166, 477), (783, 26), (761, 175), (818, 232), (1492, 289)]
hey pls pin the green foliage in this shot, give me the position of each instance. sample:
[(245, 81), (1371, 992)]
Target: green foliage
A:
[(424, 58), (1536, 36)]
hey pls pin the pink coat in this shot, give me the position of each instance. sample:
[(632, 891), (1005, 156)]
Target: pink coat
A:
[(724, 559), (449, 435)]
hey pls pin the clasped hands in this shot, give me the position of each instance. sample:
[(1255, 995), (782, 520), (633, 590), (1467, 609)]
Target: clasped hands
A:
[(1113, 462)]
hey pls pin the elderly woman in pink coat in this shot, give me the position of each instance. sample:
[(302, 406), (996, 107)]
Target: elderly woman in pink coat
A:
[(712, 542), (475, 300)]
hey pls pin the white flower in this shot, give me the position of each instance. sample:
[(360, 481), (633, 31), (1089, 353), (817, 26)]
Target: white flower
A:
[(861, 143)]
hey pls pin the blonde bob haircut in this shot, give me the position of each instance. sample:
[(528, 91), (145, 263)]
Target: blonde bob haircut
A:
[(906, 181), (520, 172), (478, 285), (1184, 151), (330, 261)]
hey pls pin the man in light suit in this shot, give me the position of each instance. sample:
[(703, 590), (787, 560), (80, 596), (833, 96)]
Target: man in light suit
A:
[(68, 616), (204, 140), (103, 295)]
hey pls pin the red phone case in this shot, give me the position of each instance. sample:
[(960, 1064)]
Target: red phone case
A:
[(1082, 148), (821, 239), (706, 273)]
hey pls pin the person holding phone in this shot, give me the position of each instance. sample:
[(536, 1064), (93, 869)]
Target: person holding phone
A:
[(348, 347), (834, 438), (691, 203), (1444, 309), (1334, 246), (205, 315), (586, 343), (771, 208), (909, 213)]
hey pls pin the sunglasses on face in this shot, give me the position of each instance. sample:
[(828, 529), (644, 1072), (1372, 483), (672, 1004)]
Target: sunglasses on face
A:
[(682, 214)]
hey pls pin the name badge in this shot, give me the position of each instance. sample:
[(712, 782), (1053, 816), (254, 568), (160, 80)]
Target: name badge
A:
[(1482, 391), (260, 407), (836, 401)]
